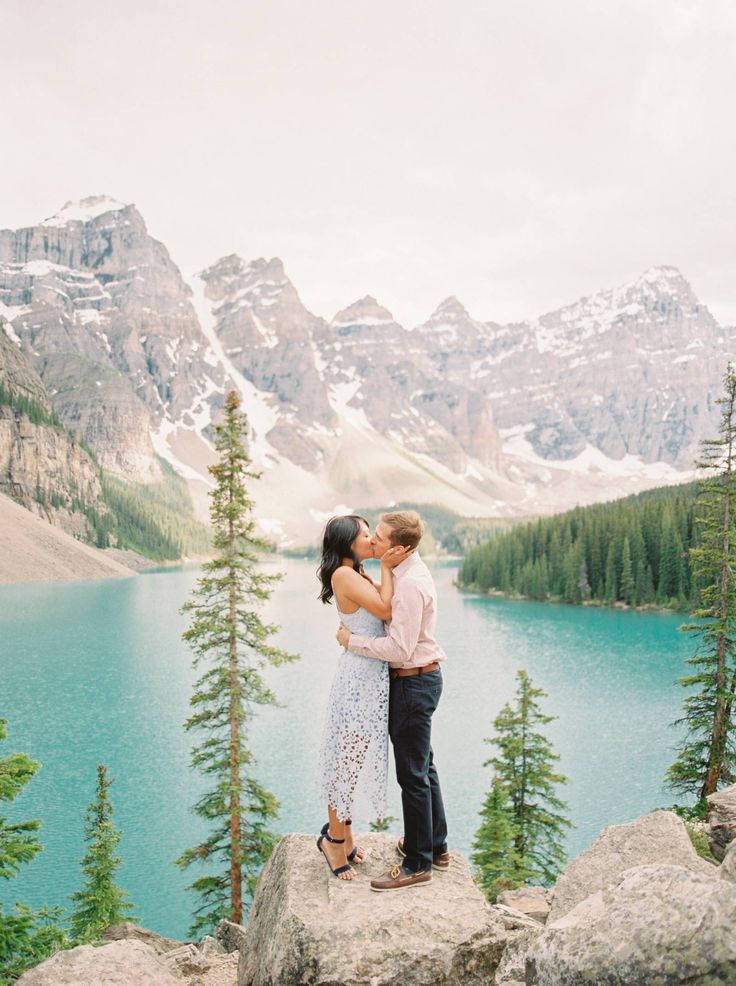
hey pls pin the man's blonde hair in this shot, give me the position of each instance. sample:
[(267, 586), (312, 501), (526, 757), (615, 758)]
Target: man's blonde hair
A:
[(407, 527)]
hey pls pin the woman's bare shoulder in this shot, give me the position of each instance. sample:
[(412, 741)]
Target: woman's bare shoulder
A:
[(345, 574)]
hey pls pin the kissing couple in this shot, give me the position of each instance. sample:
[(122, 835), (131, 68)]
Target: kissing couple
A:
[(388, 682)]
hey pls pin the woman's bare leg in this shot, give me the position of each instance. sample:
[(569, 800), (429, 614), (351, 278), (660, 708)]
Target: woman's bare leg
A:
[(355, 747), (350, 845), (336, 855)]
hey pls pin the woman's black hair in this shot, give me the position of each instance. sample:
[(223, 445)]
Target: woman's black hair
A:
[(337, 544)]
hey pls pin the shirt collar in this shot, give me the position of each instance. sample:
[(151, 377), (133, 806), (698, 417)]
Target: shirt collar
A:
[(406, 564)]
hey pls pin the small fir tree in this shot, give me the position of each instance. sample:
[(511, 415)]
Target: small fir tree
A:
[(707, 754), (498, 864), (525, 766), (100, 902), (26, 936), (228, 636)]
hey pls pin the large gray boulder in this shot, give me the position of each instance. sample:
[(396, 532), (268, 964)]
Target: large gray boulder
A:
[(512, 919), (721, 820), (129, 930), (656, 924), (120, 963), (308, 927), (511, 968), (657, 838), (534, 901), (231, 936)]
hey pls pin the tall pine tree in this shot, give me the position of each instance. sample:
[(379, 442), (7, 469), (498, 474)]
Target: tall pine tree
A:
[(525, 766), (707, 754), (100, 902), (229, 638)]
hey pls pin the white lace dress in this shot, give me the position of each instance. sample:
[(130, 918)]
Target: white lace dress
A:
[(353, 758)]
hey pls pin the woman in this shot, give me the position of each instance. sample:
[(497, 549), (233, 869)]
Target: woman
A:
[(353, 761)]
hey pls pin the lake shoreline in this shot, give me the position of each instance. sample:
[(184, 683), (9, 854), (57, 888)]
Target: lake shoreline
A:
[(519, 597), (32, 550)]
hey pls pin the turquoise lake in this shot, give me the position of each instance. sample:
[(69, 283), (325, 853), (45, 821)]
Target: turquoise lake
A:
[(95, 672)]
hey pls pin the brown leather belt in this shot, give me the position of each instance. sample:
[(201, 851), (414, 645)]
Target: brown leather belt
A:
[(403, 672)]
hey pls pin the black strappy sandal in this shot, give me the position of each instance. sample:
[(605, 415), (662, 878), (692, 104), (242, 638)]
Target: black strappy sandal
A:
[(326, 835), (356, 849)]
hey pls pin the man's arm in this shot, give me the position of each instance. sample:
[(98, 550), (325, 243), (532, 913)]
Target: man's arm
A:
[(400, 643)]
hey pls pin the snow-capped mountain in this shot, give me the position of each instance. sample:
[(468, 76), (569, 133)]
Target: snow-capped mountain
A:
[(603, 397), (630, 371), (105, 314)]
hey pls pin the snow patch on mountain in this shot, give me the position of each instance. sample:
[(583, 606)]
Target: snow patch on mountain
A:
[(160, 439), (340, 395), (261, 415), (84, 210), (591, 460), (10, 332)]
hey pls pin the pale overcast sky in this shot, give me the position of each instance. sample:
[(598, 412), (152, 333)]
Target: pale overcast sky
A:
[(516, 154)]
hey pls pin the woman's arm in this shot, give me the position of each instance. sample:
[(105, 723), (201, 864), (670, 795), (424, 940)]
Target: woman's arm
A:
[(386, 588), (350, 585), (364, 591)]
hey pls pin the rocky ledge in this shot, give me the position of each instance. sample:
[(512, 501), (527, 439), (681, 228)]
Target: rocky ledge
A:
[(638, 907), (134, 956), (308, 927)]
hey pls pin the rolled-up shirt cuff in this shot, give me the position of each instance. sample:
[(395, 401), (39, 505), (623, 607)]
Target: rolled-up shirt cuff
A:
[(377, 648)]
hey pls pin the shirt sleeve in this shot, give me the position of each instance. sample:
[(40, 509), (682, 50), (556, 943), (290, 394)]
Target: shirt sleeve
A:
[(400, 642)]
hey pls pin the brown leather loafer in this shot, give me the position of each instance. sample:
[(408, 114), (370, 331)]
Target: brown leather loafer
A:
[(399, 879), (440, 862)]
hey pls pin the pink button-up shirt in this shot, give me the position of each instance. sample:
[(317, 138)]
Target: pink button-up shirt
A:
[(409, 640)]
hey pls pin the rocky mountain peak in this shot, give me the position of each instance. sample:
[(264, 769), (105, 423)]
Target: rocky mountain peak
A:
[(660, 274), (666, 282), (84, 210), (272, 269), (258, 286), (658, 294), (365, 311), (231, 264), (449, 310)]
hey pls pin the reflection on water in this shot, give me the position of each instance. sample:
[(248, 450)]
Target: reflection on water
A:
[(96, 672)]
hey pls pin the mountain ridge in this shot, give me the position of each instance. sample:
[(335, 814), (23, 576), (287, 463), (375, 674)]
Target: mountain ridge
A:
[(487, 418)]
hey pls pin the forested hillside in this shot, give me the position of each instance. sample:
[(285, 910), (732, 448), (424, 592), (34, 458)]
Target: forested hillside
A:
[(632, 551), (154, 519)]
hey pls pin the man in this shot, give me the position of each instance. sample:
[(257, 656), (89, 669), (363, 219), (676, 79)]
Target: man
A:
[(416, 685)]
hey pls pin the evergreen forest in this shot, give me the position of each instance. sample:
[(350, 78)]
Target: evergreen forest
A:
[(155, 519), (631, 551)]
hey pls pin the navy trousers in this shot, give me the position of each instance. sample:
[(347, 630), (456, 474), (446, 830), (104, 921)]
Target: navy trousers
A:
[(412, 701)]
